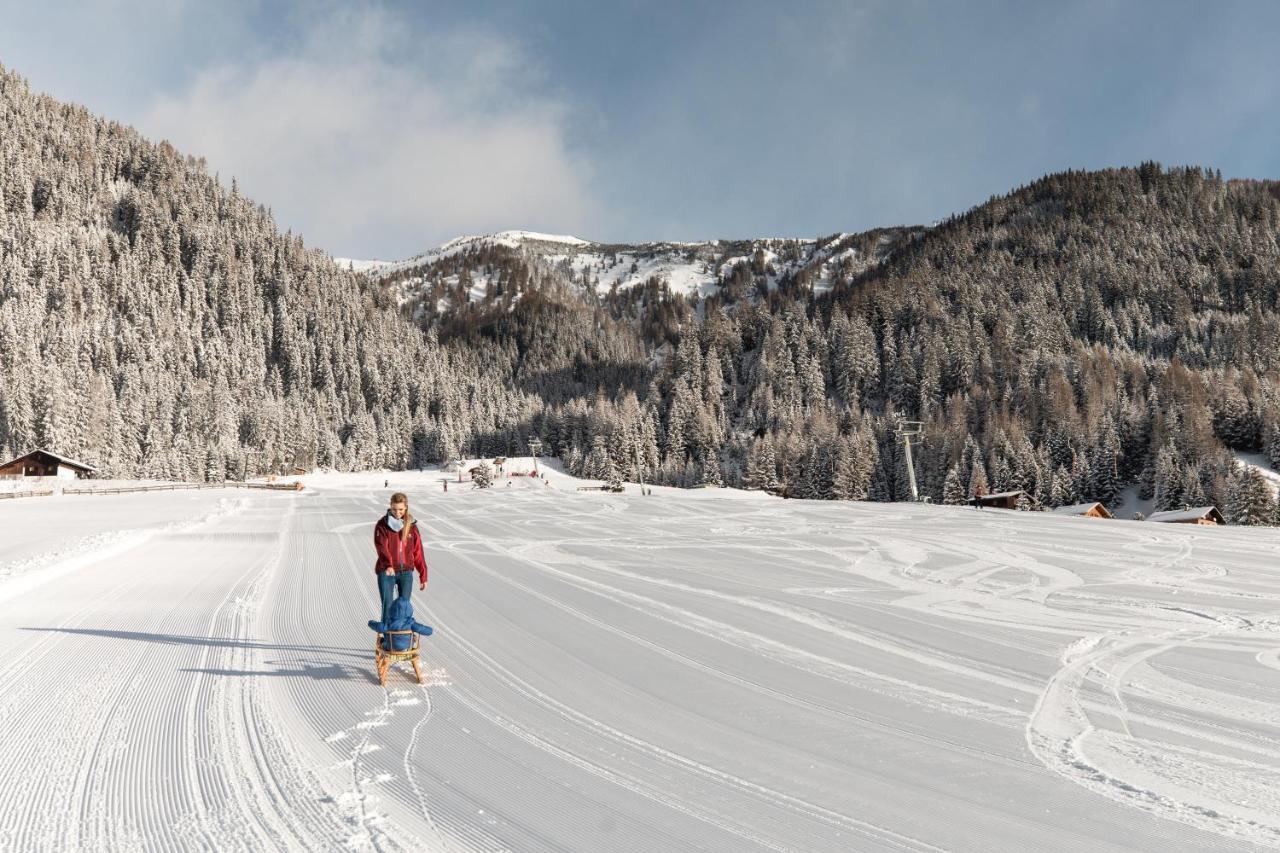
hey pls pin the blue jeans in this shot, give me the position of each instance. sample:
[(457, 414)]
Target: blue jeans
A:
[(401, 583)]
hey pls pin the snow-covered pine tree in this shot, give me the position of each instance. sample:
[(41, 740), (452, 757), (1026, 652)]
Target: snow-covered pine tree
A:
[(1234, 420), (978, 479), (1060, 488), (1253, 500), (1104, 463), (953, 493), (1044, 478), (598, 465), (768, 470), (1273, 444), (1001, 474), (853, 469), (1193, 493), (1168, 479), (709, 469)]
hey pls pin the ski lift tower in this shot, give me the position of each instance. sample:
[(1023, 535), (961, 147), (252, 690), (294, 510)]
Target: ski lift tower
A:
[(906, 432), (535, 447)]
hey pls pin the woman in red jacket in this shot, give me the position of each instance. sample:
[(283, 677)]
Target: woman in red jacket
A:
[(399, 546)]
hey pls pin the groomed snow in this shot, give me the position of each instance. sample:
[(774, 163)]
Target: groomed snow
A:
[(705, 670)]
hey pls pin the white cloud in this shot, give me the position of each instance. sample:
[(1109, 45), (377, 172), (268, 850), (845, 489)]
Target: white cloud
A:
[(371, 142)]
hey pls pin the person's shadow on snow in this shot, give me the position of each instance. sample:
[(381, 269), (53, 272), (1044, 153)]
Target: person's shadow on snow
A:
[(286, 669)]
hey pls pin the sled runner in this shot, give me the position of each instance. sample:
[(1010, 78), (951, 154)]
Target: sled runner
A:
[(386, 654)]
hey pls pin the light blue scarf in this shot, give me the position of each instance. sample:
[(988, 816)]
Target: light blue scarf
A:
[(394, 523)]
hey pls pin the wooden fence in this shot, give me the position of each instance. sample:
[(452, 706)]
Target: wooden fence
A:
[(167, 487), (32, 494)]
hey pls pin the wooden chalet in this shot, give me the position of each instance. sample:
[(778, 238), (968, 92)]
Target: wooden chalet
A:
[(1208, 515), (1087, 510), (1005, 500), (44, 463)]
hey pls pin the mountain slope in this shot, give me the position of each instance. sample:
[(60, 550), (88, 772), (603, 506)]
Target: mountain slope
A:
[(1088, 332), (154, 322), (694, 270), (1085, 332)]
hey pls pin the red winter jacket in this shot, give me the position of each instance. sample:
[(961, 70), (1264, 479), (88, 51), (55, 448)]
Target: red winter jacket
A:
[(397, 554)]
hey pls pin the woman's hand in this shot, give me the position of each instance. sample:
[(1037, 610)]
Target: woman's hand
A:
[(388, 571), (422, 586)]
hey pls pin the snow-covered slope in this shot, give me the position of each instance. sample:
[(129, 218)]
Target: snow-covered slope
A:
[(1262, 465), (688, 671), (694, 269)]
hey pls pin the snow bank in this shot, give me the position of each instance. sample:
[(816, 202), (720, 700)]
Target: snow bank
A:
[(18, 577)]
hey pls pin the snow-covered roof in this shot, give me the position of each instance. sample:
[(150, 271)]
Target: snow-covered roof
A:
[(1078, 509), (1192, 514), (66, 460), (1012, 494)]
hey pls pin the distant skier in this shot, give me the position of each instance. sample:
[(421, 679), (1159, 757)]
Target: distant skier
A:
[(398, 542), (978, 492)]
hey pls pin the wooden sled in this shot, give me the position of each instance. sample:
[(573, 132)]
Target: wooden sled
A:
[(385, 658)]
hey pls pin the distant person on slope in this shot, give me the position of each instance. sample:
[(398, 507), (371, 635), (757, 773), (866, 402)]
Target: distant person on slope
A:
[(399, 546)]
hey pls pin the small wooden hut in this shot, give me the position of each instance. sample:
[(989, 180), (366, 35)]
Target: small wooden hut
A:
[(45, 463), (1208, 515), (1006, 500), (1087, 510)]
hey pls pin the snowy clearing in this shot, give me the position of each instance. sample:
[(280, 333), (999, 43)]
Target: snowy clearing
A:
[(687, 671), (1262, 465)]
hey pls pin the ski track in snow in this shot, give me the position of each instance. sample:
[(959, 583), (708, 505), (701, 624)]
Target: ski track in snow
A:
[(613, 672)]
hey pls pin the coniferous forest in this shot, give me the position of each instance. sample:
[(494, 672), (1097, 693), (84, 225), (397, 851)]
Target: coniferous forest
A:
[(1086, 333)]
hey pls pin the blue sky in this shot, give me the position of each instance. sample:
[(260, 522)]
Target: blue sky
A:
[(379, 129)]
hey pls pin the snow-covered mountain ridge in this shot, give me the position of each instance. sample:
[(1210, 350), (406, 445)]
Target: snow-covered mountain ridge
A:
[(695, 269)]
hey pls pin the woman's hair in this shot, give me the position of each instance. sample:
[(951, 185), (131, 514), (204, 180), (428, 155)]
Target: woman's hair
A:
[(402, 498)]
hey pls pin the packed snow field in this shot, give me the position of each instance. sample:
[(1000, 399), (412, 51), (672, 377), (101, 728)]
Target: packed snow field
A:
[(684, 671)]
